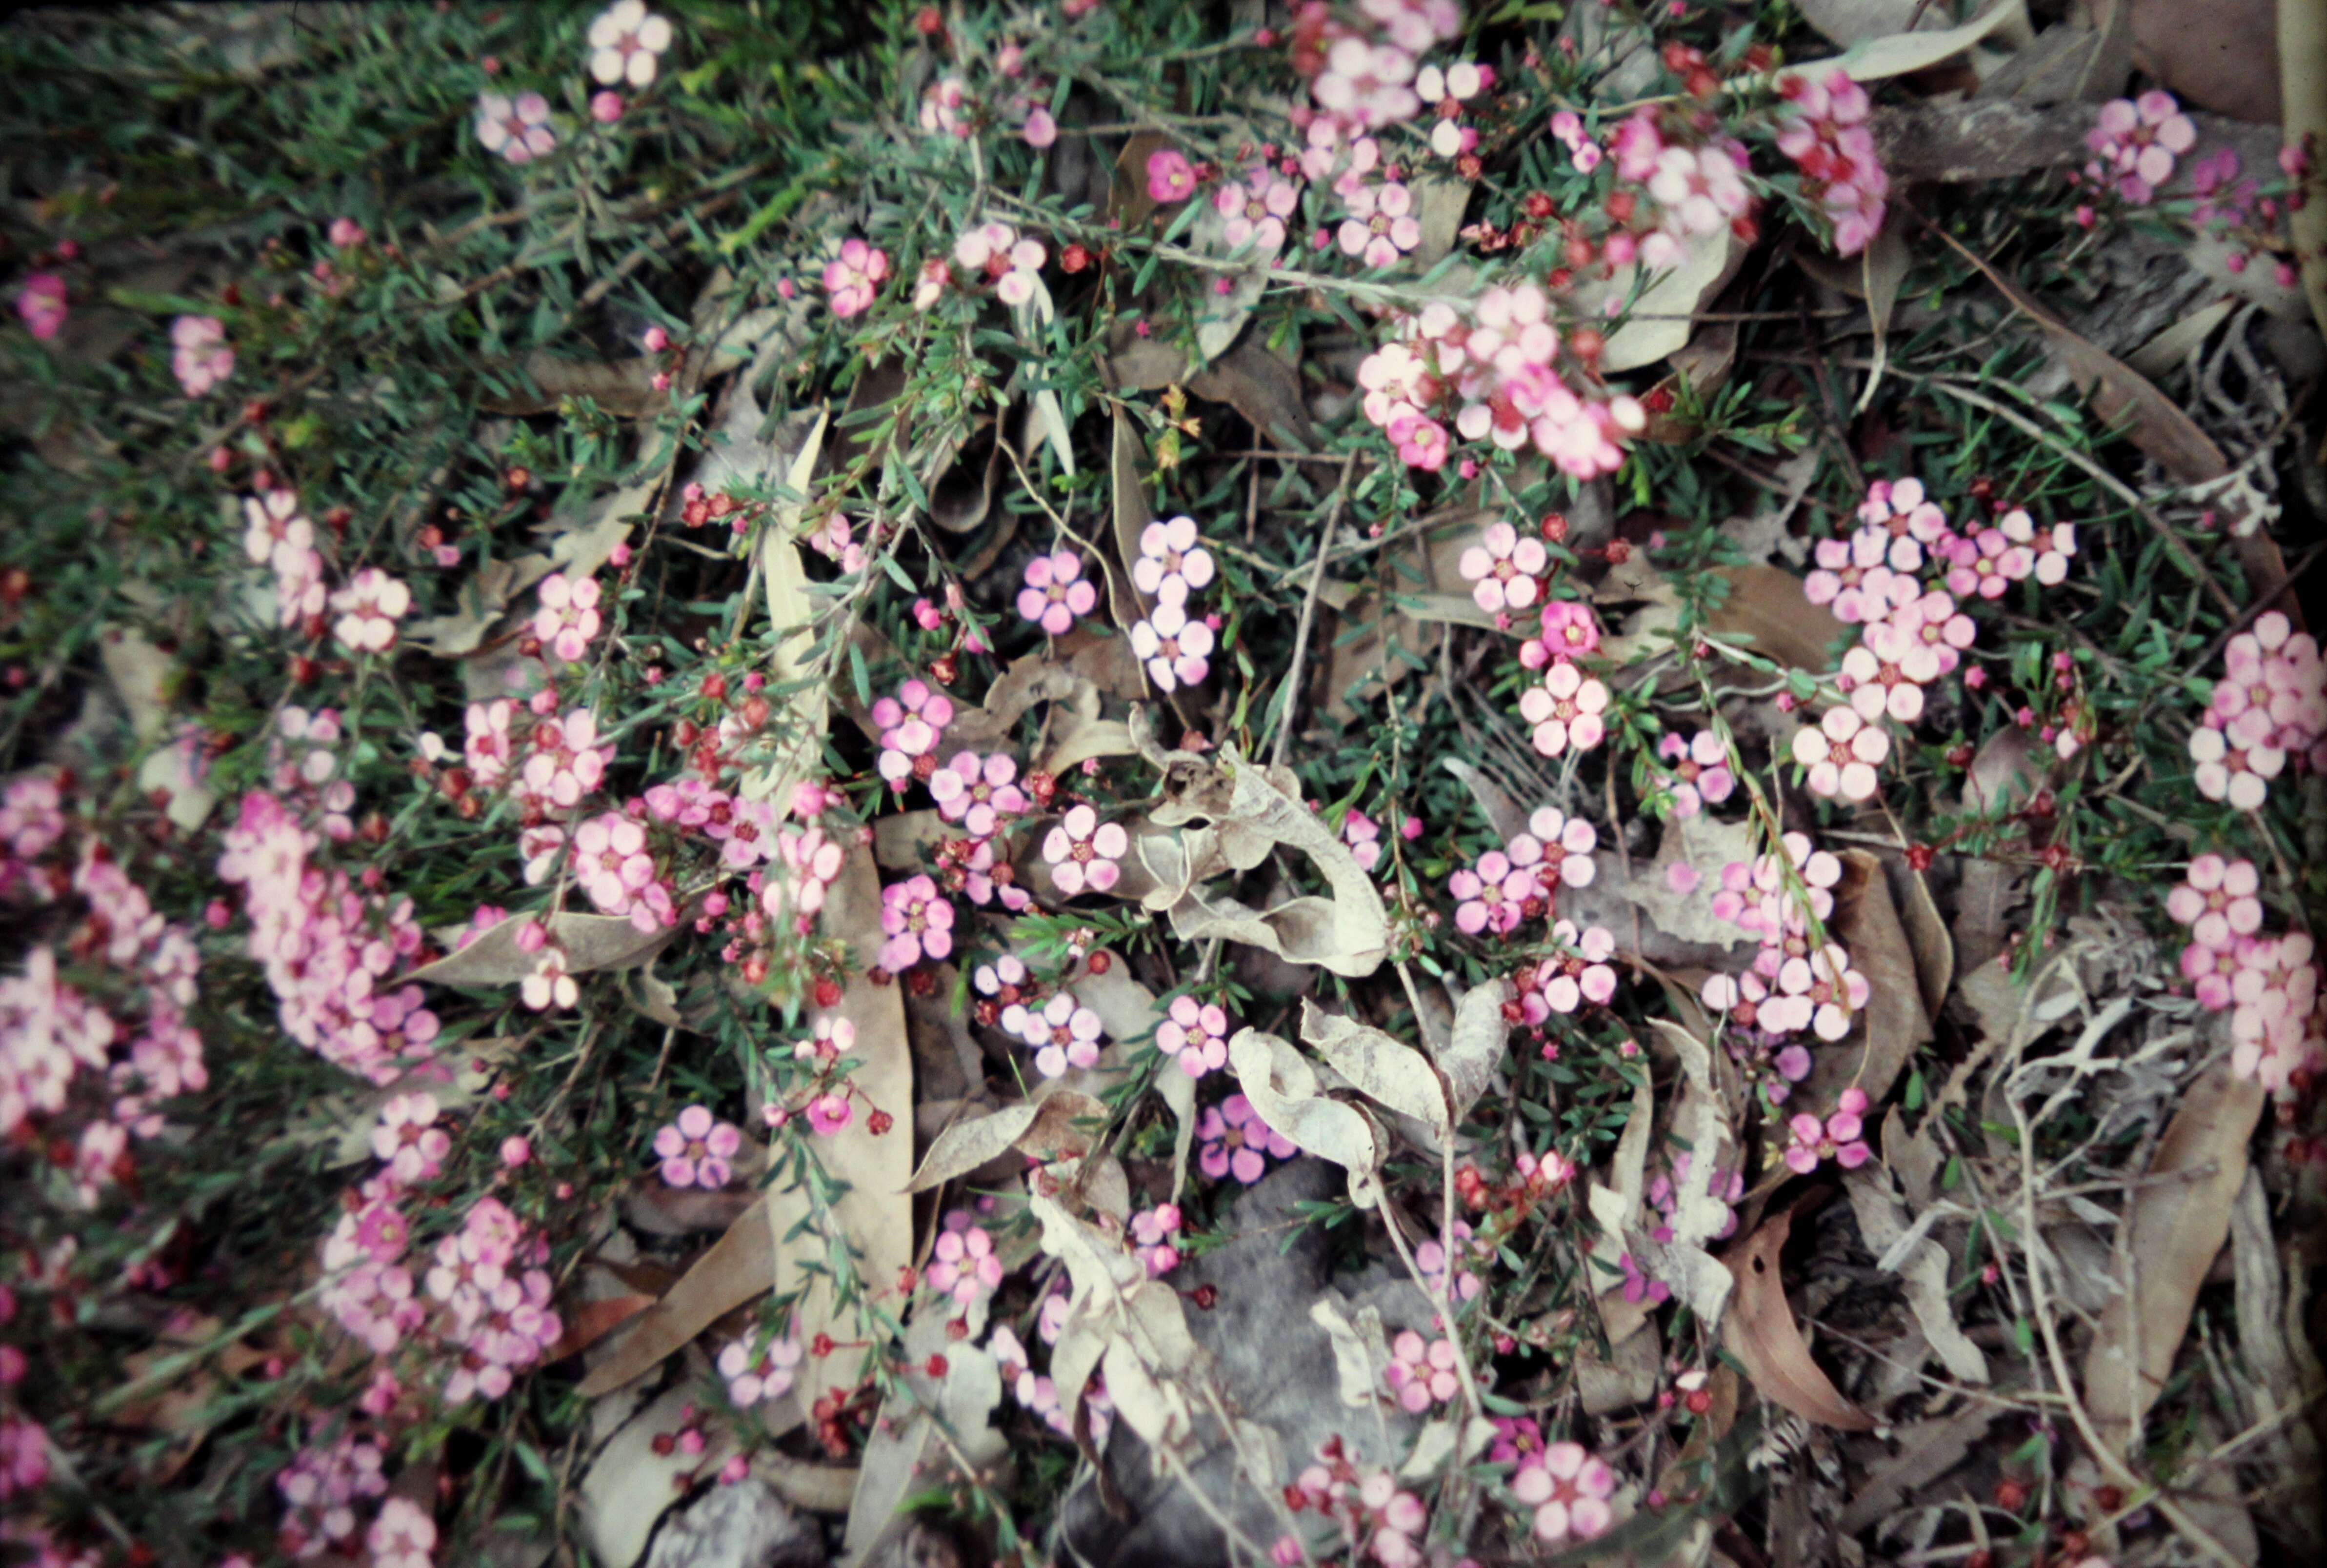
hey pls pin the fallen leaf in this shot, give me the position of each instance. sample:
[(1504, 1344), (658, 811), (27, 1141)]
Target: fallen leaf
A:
[(1701, 842), (1664, 317), (1045, 1128), (1928, 1450), (1439, 205), (1927, 935), (904, 1453), (587, 1322), (1923, 1273), (2302, 51), (1284, 1089), (2175, 1223), (1504, 815), (731, 1272), (1257, 384), (1850, 21), (1385, 1070), (791, 614), (1895, 1024), (590, 943), (542, 381), (630, 1484), (1761, 1332), (868, 1225), (2231, 56), (2171, 349), (1474, 1048), (1360, 1350), (1220, 318), (1767, 605), (1904, 53)]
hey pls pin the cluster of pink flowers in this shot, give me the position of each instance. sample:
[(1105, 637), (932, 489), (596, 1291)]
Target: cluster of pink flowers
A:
[(1036, 1392), (1577, 973), (1568, 1487), (1824, 130), (367, 610), (200, 356), (547, 761), (1564, 707), (281, 538), (963, 1265), (370, 1291), (1522, 880), (759, 1368), (1696, 192), (329, 951), (1700, 771), (322, 1488), (1364, 1507), (1492, 368), (490, 1277), (1152, 1233), (1793, 984), (1234, 1140), (1173, 643), (518, 128), (911, 724), (1362, 63), (2134, 141), (1430, 1261), (2270, 705), (2269, 983), (993, 251)]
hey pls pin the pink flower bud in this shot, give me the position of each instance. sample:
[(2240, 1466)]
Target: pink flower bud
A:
[(605, 107), (532, 937), (657, 340), (515, 1152)]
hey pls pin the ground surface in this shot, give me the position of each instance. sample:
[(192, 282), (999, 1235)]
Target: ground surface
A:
[(1150, 784)]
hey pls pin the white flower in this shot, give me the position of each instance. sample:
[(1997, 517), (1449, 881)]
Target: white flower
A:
[(625, 41)]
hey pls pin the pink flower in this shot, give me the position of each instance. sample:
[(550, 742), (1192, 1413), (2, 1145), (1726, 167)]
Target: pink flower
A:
[(1151, 1230), (1063, 1032), (911, 724), (2137, 141), (1837, 1139), (2238, 773), (917, 921), (518, 131), (200, 359), (1040, 128), (1175, 649), (1421, 1372), (1887, 671), (610, 860), (516, 1152), (1569, 631), (1012, 264), (568, 616), (1503, 568), (42, 305), (1568, 1489), (854, 277), (2050, 547), (1256, 208), (1172, 560), (2216, 898), (977, 793), (697, 1149), (1363, 834), (1381, 226), (1056, 592), (1565, 710), (1841, 752), (1170, 176), (1195, 1034), (1235, 1138), (408, 1139), (827, 1113), (369, 607), (1700, 767), (757, 1373), (605, 106), (626, 41), (1083, 852), (962, 1265), (942, 103), (403, 1536), (1492, 895)]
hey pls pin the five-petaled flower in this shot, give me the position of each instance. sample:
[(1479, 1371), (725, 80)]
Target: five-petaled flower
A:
[(917, 921), (1235, 1138), (1056, 592), (698, 1149), (624, 43), (1084, 852), (854, 277), (1841, 751), (1195, 1034), (1176, 649), (518, 129), (1503, 568), (369, 607), (1837, 1139)]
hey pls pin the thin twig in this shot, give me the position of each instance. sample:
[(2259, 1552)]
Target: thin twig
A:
[(1308, 615)]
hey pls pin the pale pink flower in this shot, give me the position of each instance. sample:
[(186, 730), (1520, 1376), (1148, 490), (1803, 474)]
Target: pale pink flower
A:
[(201, 357), (757, 1373), (1381, 226), (410, 1140), (518, 130), (2218, 900), (1837, 1139), (369, 607), (1172, 561), (1195, 1034), (2050, 547), (568, 616), (698, 1150), (917, 921), (1421, 1372), (1063, 1032), (625, 41), (911, 724), (1841, 752), (1568, 1489), (403, 1535), (1503, 568), (1565, 710), (1175, 649), (1083, 852), (1887, 671), (977, 792), (2227, 770), (1056, 592), (962, 1265), (1257, 208), (42, 305), (1700, 767)]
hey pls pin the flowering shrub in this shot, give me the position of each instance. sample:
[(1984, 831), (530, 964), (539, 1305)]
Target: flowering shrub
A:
[(625, 649)]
